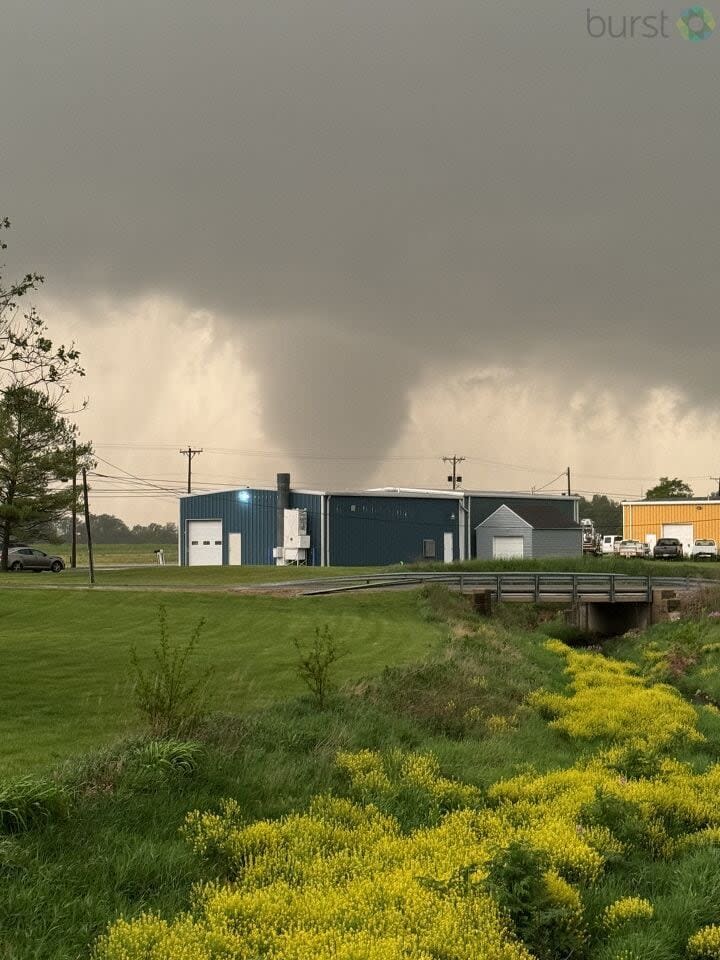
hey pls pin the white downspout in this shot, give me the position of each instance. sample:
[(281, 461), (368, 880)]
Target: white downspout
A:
[(462, 527), (322, 529), (327, 539), (469, 529)]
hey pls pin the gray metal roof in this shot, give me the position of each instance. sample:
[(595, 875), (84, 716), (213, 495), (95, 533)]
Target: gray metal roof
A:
[(540, 516)]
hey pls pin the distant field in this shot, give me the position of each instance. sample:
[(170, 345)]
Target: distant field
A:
[(109, 553), (65, 684)]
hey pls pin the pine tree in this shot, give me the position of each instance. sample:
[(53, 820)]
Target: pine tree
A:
[(35, 455)]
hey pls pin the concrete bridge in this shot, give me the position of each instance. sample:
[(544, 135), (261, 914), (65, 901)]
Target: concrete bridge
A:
[(603, 603)]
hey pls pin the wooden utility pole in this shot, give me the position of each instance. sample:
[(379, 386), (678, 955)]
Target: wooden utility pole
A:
[(73, 538), (569, 493), (88, 532), (454, 478), (190, 453)]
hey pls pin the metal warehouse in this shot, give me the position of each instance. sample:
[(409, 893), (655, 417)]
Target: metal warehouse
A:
[(684, 520), (344, 528)]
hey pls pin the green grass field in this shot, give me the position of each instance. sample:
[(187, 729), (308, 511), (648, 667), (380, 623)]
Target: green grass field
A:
[(65, 685), (424, 674)]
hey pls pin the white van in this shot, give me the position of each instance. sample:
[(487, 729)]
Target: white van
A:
[(610, 544)]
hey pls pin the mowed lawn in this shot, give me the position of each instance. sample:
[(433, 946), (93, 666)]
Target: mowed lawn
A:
[(66, 685)]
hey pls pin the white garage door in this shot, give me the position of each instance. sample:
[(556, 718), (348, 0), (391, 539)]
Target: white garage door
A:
[(205, 543), (682, 532), (507, 548)]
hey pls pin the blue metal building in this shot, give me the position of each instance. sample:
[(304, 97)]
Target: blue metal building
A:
[(340, 528)]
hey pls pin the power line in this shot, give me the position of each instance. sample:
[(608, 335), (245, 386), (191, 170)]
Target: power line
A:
[(235, 451), (550, 483), (131, 475)]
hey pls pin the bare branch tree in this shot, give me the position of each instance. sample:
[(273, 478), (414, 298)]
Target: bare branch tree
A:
[(27, 355)]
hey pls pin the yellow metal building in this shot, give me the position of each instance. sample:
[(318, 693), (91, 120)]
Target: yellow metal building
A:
[(686, 520)]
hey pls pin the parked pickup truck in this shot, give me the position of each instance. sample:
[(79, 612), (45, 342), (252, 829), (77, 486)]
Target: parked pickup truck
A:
[(704, 550), (610, 543), (668, 548), (631, 548)]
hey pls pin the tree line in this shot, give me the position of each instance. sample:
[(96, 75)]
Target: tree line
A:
[(606, 513), (107, 528)]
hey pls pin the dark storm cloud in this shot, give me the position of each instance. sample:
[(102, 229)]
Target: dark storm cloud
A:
[(375, 189)]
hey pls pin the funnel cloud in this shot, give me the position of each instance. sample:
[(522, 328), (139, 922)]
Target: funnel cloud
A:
[(358, 213)]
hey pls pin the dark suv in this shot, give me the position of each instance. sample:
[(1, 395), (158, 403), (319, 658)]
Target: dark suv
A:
[(668, 549)]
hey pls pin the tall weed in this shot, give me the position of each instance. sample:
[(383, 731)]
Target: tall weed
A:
[(171, 696), (29, 801)]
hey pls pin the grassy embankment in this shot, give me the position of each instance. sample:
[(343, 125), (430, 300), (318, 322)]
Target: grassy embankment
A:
[(473, 702)]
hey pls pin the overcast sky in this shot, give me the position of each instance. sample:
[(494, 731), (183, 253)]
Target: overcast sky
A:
[(347, 237)]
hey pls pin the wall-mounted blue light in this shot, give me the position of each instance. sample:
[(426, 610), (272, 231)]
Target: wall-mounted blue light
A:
[(244, 496)]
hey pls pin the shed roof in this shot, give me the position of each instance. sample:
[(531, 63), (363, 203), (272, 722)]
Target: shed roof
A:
[(540, 516)]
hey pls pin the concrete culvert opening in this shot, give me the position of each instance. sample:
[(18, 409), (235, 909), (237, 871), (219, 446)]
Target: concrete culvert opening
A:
[(613, 619)]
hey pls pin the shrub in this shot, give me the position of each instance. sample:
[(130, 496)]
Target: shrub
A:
[(626, 910), (171, 696), (620, 816), (177, 755), (705, 944), (611, 701), (407, 786), (316, 662), (29, 801), (546, 911), (157, 761)]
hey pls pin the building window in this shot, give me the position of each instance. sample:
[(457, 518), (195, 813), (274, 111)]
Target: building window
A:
[(428, 550)]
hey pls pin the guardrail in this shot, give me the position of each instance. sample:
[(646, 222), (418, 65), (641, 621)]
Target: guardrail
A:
[(534, 587)]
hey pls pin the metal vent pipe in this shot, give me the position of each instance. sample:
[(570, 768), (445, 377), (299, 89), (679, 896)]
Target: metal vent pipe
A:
[(283, 504)]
